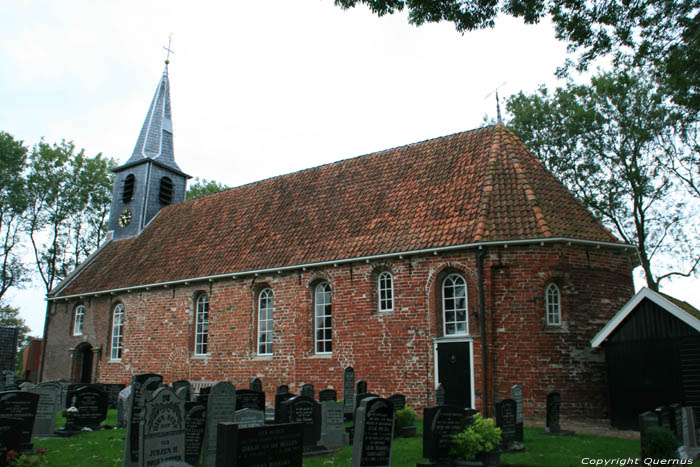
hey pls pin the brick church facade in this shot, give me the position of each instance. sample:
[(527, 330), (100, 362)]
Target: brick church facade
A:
[(458, 260)]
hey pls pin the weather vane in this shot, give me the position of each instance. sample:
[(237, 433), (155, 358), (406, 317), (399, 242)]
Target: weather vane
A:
[(167, 57), (498, 104)]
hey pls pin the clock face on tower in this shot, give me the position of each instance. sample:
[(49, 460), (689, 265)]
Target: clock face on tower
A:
[(124, 218)]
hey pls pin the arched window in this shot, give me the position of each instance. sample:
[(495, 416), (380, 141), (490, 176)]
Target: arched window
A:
[(454, 305), (117, 327), (553, 305), (201, 333), (78, 320), (128, 189), (265, 322), (166, 191), (323, 329), (385, 291)]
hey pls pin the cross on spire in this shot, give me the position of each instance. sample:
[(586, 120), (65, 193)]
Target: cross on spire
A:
[(167, 57)]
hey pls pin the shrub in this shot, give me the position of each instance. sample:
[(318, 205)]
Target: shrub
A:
[(481, 436), (659, 443), (406, 417)]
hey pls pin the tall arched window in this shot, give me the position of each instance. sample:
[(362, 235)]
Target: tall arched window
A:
[(323, 324), (78, 320), (553, 305), (201, 333), (265, 322), (454, 305), (385, 291), (117, 328)]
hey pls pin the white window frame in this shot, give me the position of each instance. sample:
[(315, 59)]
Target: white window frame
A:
[(201, 330), (553, 305), (323, 318), (385, 292), (78, 319), (266, 309), (117, 334), (452, 282)]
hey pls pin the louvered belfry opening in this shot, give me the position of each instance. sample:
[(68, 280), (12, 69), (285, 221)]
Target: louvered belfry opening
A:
[(128, 188), (166, 191)]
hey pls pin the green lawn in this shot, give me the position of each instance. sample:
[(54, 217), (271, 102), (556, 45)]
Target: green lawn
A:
[(106, 447)]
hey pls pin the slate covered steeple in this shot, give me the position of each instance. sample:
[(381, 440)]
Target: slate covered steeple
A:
[(150, 179)]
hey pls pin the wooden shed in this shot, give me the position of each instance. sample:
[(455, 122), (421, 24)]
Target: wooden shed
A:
[(652, 351)]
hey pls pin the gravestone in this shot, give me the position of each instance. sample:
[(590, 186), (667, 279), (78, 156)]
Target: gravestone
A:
[(162, 429), (8, 348), (64, 393), (665, 417), (328, 395), (440, 423), (21, 405), (307, 411), (195, 422), (281, 416), (47, 406), (203, 395), (256, 385), (361, 387), (8, 380), (332, 424), (307, 390), (677, 412), (268, 445), (10, 437), (221, 407), (516, 393), (690, 437), (182, 383), (282, 389), (440, 395), (249, 399), (246, 418), (374, 433), (91, 405), (553, 412), (113, 391), (142, 388), (646, 420), (26, 386), (348, 390), (506, 412), (359, 397), (122, 401), (399, 401)]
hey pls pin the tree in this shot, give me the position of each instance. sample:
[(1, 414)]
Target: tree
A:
[(660, 33), (68, 204), (203, 187), (9, 317), (13, 159), (610, 143)]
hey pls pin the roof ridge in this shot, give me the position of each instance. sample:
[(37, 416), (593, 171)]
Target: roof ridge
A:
[(487, 187)]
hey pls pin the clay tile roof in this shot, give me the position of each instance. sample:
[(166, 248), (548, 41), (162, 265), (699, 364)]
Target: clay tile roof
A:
[(476, 186)]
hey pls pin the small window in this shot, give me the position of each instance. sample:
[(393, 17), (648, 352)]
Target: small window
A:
[(454, 305), (553, 305), (78, 320), (202, 325), (166, 191), (128, 188), (117, 327), (323, 324), (385, 289), (265, 323)]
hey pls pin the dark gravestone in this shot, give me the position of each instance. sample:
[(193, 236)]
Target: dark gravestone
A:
[(8, 381), (307, 390), (282, 389), (374, 432), (203, 395), (48, 404), (332, 424), (10, 437), (665, 417), (361, 387), (359, 397), (646, 420), (246, 418), (269, 445), (281, 415), (440, 423), (327, 395), (256, 385), (688, 423), (195, 421), (516, 393), (506, 412), (91, 405), (307, 411), (440, 395), (182, 383), (249, 399), (142, 387), (163, 429), (221, 406), (553, 412), (122, 402), (21, 405), (677, 412), (348, 390), (8, 348), (113, 391), (399, 401)]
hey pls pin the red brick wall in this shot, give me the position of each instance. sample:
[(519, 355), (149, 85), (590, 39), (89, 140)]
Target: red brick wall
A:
[(392, 351)]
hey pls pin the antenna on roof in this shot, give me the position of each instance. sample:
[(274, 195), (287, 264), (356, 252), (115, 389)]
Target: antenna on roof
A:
[(498, 103), (167, 57)]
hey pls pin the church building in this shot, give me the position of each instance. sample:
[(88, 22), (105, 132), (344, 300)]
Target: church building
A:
[(458, 260)]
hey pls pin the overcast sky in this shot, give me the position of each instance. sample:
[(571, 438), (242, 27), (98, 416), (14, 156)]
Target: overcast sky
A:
[(259, 88)]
